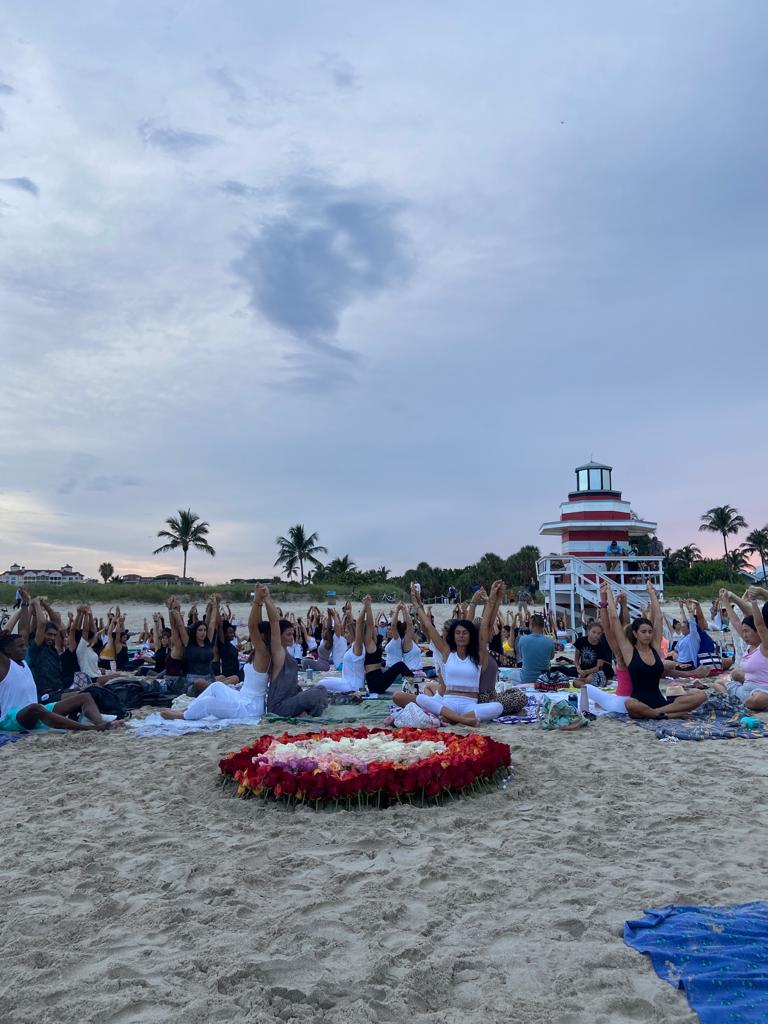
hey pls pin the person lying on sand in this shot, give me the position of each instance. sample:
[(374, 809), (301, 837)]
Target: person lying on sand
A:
[(19, 707)]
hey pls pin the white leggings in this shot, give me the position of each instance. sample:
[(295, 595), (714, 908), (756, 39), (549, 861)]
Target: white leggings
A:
[(606, 701), (338, 684), (461, 705), (221, 701)]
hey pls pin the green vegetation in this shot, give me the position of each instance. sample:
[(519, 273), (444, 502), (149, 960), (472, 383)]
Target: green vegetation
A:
[(185, 531), (106, 571), (725, 520), (298, 548)]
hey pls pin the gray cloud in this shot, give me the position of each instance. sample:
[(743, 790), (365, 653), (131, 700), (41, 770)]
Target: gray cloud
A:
[(175, 140), (101, 482), (342, 72), (24, 184), (335, 246), (6, 90), (237, 188), (230, 85)]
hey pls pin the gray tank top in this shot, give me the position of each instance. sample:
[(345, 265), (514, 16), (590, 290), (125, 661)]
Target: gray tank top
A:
[(285, 684)]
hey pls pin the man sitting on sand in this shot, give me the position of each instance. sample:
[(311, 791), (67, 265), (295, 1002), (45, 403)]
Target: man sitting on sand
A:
[(536, 652)]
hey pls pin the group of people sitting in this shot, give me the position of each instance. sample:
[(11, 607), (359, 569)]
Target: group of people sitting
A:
[(51, 671), (643, 657)]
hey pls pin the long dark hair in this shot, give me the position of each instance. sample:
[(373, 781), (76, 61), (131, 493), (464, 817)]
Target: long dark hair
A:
[(193, 639), (473, 647)]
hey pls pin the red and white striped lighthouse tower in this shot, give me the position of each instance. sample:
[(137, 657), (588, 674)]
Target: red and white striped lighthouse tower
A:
[(594, 515), (592, 518)]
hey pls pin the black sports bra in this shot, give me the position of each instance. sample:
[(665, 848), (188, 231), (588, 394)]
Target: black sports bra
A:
[(373, 657)]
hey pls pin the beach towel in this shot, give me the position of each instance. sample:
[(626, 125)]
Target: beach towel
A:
[(11, 737), (530, 712), (365, 712), (154, 725), (717, 955), (718, 718)]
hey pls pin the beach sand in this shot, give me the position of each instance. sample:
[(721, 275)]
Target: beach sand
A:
[(136, 890)]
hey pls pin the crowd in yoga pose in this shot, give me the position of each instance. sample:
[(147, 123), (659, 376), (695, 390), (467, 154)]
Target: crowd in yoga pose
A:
[(54, 673)]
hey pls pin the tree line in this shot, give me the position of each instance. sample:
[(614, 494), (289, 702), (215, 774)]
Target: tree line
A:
[(299, 557)]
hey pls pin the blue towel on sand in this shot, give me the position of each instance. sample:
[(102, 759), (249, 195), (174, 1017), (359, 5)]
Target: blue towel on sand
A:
[(11, 737), (718, 955)]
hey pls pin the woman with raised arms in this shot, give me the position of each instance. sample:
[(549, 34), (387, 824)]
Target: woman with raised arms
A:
[(464, 651)]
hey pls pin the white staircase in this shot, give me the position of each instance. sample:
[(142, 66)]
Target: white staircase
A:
[(572, 584)]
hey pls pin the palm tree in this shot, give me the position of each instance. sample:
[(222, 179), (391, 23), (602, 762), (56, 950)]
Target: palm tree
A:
[(299, 548), (338, 567), (757, 544), (687, 555), (106, 570), (185, 531), (384, 572), (738, 560), (722, 519)]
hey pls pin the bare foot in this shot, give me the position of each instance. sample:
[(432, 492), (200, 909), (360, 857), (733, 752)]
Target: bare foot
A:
[(169, 714)]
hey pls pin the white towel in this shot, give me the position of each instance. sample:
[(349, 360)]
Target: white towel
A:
[(154, 725)]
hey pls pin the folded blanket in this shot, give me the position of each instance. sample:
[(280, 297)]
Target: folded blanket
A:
[(718, 718), (717, 955), (154, 725)]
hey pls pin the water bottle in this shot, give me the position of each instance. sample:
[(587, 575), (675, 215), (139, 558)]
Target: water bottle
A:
[(310, 676)]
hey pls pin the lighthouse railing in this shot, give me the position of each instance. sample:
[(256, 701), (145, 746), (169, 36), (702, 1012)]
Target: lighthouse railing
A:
[(569, 576)]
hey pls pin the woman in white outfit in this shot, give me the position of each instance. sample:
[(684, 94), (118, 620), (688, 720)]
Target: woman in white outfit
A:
[(219, 700), (464, 651), (403, 646)]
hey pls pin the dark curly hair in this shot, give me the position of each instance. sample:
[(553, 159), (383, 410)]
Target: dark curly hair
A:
[(473, 648)]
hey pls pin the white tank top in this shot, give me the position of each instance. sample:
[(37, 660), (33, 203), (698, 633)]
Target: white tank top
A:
[(18, 689), (461, 675), (353, 669)]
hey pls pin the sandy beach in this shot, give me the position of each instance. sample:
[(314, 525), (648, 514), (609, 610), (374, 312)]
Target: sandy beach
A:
[(137, 890)]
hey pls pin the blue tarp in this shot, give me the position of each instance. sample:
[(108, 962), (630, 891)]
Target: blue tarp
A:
[(717, 955)]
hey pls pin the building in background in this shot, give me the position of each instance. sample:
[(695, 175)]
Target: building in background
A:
[(19, 576)]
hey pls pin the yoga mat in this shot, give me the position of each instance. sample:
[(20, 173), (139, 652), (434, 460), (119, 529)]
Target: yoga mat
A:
[(717, 955), (363, 714), (717, 719)]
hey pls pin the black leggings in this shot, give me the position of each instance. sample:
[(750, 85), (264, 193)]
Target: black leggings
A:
[(380, 679)]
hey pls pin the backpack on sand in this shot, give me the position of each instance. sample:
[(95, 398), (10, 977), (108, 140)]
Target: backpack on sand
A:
[(560, 714), (134, 694), (107, 701)]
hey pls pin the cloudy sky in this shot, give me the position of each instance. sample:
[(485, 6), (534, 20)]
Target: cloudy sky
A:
[(389, 270)]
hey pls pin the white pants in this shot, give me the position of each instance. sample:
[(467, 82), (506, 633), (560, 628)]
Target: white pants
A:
[(337, 684), (461, 705), (221, 701), (606, 701)]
